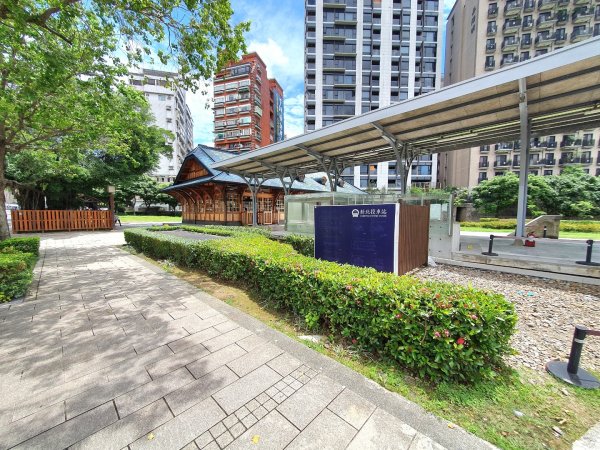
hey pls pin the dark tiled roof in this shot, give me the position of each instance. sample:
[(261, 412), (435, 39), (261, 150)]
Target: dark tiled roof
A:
[(207, 156)]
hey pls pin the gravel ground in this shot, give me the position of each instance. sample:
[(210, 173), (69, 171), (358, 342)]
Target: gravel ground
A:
[(547, 309)]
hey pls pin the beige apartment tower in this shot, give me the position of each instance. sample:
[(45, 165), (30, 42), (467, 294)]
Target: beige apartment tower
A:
[(483, 36)]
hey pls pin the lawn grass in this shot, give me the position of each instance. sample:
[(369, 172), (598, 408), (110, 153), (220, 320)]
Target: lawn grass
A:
[(563, 234), (158, 219), (486, 409)]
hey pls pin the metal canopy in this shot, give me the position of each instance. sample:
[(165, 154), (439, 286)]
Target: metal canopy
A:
[(562, 95)]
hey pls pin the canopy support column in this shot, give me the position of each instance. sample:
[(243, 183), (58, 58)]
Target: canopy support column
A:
[(254, 185), (326, 163), (524, 172), (400, 150)]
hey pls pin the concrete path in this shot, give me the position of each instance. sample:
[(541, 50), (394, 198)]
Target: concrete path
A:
[(108, 351)]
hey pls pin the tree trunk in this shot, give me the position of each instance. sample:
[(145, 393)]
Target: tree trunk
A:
[(4, 230)]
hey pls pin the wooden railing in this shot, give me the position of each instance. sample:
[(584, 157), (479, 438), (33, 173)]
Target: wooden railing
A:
[(30, 221)]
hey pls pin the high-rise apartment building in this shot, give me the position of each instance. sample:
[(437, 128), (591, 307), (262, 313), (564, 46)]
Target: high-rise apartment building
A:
[(361, 55), (171, 112), (484, 36), (248, 106)]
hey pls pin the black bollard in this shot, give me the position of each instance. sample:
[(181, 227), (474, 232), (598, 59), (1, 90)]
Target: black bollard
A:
[(570, 372), (588, 255), (545, 231), (576, 348), (490, 246)]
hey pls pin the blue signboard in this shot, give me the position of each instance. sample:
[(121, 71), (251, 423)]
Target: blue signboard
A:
[(361, 235)]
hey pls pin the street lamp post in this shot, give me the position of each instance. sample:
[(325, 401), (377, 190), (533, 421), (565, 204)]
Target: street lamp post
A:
[(111, 203)]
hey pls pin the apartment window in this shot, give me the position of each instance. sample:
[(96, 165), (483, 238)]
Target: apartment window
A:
[(162, 97), (169, 108)]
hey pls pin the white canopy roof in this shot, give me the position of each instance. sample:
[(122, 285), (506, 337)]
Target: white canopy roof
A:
[(562, 95)]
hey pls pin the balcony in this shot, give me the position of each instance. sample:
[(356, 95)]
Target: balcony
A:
[(569, 142), (512, 9), (559, 38), (503, 164), (484, 164), (511, 27), (525, 42), (568, 160), (552, 144), (562, 17), (581, 35), (528, 5), (536, 162), (510, 45), (544, 41), (545, 5), (582, 16), (545, 22), (490, 48), (580, 2), (492, 12), (484, 148), (538, 145), (504, 147), (586, 160), (490, 65), (588, 142), (492, 30), (516, 163), (508, 61), (527, 24)]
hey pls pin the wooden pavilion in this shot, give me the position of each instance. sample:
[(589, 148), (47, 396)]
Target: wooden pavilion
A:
[(210, 196)]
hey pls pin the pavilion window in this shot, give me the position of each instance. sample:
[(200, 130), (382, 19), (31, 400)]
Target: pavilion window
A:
[(233, 204)]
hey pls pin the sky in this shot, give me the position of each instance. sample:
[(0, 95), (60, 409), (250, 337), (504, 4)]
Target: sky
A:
[(277, 35)]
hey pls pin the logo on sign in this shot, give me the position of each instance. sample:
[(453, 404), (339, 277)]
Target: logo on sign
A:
[(355, 213)]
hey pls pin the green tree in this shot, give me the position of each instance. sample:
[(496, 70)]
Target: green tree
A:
[(61, 61), (501, 193), (576, 193)]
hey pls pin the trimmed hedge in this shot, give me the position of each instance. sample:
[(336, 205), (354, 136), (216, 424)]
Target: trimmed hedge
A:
[(437, 330), (15, 274), (22, 244), (305, 245)]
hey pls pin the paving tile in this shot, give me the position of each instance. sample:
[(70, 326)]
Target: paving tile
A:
[(256, 358), (203, 440), (207, 322), (191, 446), (193, 339), (128, 429), (215, 360), (120, 384), (251, 342), (184, 428), (192, 393), (383, 431), (284, 364), (274, 432), (176, 361), (21, 430), (237, 429), (149, 392), (352, 408), (307, 402), (249, 420), (246, 388), (326, 432), (225, 439), (217, 430), (226, 339), (72, 431)]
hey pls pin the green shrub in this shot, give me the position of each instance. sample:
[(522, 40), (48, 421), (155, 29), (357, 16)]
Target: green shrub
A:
[(15, 274), (217, 230), (492, 224), (585, 226), (439, 331), (22, 244), (305, 245)]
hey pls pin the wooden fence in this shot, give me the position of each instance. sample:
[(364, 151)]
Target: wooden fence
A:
[(30, 221)]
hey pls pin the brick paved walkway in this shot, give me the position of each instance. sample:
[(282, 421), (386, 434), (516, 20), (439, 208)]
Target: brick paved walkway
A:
[(108, 351)]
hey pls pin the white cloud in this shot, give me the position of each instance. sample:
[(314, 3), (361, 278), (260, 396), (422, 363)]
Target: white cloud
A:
[(294, 115), (270, 52), (201, 103)]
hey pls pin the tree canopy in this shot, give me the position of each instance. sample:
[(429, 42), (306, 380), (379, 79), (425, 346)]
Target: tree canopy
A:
[(62, 98), (573, 193)]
